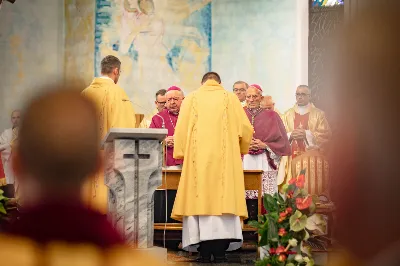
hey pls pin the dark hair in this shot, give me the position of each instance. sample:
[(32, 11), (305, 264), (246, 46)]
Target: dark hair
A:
[(161, 92), (241, 82), (109, 63), (211, 75)]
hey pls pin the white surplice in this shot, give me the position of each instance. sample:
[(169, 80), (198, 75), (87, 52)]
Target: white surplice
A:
[(202, 228), (5, 148), (269, 176)]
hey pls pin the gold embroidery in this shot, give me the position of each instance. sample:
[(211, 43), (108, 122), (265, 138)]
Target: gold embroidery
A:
[(320, 175), (225, 130), (326, 174), (194, 141)]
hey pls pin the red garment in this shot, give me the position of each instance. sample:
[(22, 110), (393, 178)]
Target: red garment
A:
[(2, 174), (167, 121), (300, 121), (71, 223), (269, 128)]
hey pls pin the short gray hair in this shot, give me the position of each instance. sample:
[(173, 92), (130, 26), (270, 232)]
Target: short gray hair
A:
[(304, 86)]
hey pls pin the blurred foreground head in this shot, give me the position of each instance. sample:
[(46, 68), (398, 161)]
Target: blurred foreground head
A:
[(365, 85), (58, 143)]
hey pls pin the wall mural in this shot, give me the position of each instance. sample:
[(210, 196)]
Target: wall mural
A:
[(160, 43), (316, 3)]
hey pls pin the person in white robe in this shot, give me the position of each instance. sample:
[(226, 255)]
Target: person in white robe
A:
[(7, 138)]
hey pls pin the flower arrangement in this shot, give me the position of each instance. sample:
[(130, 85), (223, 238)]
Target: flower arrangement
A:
[(3, 201), (290, 221), (6, 206)]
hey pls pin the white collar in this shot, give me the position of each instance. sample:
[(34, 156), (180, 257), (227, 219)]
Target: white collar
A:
[(302, 110), (105, 77)]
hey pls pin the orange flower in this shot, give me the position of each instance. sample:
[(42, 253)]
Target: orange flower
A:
[(281, 219), (303, 203), (292, 181), (289, 210), (283, 214), (282, 258), (282, 232), (290, 194), (300, 181)]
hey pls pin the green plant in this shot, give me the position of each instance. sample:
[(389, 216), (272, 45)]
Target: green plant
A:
[(290, 220), (3, 205)]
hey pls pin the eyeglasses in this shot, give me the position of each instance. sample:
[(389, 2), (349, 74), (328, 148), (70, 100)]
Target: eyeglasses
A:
[(302, 94), (239, 90), (161, 102)]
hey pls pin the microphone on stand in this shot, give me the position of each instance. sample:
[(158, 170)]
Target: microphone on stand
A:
[(163, 122)]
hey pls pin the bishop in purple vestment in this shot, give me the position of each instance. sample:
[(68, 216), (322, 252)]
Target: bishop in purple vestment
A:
[(167, 118), (269, 143)]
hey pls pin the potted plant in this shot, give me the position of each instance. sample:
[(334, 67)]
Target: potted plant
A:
[(289, 222)]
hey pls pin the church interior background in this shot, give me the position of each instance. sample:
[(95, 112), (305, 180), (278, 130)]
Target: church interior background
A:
[(276, 43)]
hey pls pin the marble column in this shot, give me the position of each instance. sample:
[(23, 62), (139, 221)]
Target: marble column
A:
[(133, 172)]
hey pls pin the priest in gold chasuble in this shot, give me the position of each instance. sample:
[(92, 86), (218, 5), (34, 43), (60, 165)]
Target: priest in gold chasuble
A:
[(115, 110), (211, 134), (308, 132)]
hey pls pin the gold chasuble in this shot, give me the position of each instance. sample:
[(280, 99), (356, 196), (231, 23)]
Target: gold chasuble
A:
[(309, 153), (115, 110), (211, 134)]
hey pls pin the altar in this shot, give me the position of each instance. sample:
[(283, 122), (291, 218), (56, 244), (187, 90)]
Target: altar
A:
[(252, 181), (170, 181)]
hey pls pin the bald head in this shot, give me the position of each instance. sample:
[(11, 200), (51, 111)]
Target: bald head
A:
[(267, 103), (15, 118), (58, 140)]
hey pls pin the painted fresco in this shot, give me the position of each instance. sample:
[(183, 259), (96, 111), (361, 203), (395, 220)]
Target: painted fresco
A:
[(160, 43)]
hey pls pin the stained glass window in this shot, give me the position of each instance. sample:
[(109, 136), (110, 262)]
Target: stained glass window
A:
[(327, 2)]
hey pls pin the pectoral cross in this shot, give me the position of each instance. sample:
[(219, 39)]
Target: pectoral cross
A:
[(297, 151)]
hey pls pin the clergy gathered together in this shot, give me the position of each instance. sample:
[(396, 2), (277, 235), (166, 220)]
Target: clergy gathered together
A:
[(54, 200), (213, 136)]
